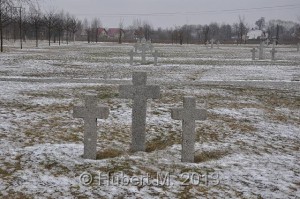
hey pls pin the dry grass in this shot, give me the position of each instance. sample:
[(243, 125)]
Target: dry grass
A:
[(162, 142), (209, 155), (108, 153), (18, 195)]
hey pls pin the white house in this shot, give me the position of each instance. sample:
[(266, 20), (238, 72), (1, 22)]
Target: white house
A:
[(254, 34)]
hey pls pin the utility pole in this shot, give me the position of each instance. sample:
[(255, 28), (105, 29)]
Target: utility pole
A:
[(1, 27)]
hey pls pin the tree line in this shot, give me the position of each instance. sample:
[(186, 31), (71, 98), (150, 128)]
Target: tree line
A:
[(278, 30), (24, 20)]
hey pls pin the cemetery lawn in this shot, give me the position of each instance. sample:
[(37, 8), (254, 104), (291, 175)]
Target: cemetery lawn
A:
[(247, 148)]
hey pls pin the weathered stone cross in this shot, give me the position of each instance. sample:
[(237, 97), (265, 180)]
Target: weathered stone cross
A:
[(155, 54), (150, 46), (143, 53), (131, 53), (261, 51), (274, 43), (273, 51), (136, 46), (139, 92), (188, 114), (212, 43), (90, 112), (253, 53), (206, 44)]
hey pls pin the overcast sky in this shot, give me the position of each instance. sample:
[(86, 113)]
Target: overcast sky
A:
[(170, 13)]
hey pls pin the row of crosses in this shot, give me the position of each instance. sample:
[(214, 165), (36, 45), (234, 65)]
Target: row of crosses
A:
[(139, 92), (262, 52)]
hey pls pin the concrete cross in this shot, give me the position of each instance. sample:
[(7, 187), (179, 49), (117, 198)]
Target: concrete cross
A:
[(139, 92), (143, 41), (136, 46), (274, 43), (253, 53), (90, 112), (131, 53), (149, 46), (261, 51), (212, 43), (273, 51), (155, 54), (206, 43), (143, 53), (188, 114)]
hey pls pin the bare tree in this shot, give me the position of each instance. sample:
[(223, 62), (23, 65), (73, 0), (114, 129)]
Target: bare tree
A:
[(242, 30), (96, 23), (75, 25), (87, 28), (7, 13), (147, 30), (50, 22), (181, 35), (67, 26), (120, 31), (5, 17), (206, 33), (261, 23), (35, 19), (225, 32), (214, 31), (60, 25)]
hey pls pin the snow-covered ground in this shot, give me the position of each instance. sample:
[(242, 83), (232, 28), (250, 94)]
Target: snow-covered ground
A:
[(247, 148)]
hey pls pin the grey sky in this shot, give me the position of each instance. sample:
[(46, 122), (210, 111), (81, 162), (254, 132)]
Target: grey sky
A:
[(170, 13)]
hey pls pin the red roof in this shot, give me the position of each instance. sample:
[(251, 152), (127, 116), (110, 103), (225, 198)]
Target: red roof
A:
[(101, 30), (112, 32)]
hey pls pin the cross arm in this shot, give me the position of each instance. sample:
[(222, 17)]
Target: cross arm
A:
[(177, 113), (126, 91), (79, 112), (200, 114), (153, 91), (102, 112)]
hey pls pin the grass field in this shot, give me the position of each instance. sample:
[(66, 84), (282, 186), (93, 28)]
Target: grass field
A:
[(247, 148)]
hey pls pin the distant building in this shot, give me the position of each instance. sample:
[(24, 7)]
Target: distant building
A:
[(256, 34), (102, 32), (114, 33)]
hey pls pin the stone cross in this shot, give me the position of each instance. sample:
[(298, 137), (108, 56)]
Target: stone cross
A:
[(253, 53), (143, 53), (139, 92), (273, 51), (150, 46), (274, 43), (136, 47), (206, 44), (90, 112), (155, 54), (188, 114), (212, 43), (131, 53), (261, 51), (218, 44)]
